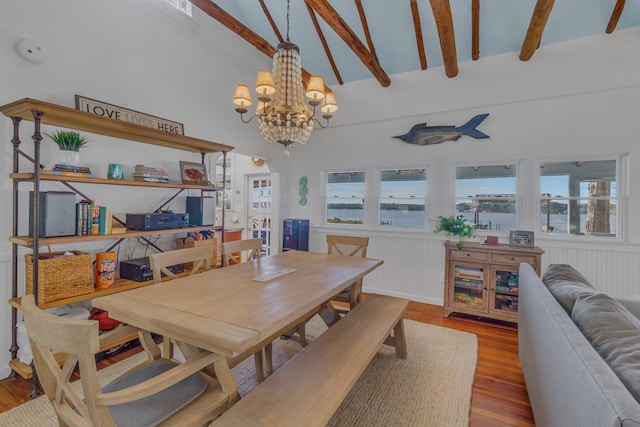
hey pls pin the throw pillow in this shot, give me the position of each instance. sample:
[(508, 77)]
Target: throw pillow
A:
[(566, 284), (563, 273), (614, 333)]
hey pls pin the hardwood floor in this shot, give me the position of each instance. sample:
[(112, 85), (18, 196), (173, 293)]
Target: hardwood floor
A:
[(499, 394)]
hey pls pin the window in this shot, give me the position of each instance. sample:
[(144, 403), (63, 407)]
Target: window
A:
[(345, 197), (579, 198), (486, 196), (403, 194), (182, 5)]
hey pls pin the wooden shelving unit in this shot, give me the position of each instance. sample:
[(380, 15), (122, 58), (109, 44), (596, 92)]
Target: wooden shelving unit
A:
[(40, 112), (482, 280)]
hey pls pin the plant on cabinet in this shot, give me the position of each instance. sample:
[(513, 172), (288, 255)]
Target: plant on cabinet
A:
[(457, 226)]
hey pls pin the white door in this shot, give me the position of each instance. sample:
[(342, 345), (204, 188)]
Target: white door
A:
[(260, 211)]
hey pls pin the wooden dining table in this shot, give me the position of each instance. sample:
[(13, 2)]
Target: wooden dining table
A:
[(233, 310)]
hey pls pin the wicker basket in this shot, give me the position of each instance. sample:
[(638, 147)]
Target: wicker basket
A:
[(190, 243), (61, 277)]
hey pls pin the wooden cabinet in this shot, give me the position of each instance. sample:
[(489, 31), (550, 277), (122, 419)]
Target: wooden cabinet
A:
[(40, 112), (482, 280)]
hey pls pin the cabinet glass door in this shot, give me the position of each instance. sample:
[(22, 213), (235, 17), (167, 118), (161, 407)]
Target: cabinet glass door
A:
[(468, 286), (505, 286)]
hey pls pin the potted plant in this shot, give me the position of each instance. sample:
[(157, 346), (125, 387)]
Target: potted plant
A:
[(69, 142), (457, 226)]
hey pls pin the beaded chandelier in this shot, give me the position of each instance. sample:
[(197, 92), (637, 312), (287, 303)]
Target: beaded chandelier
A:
[(283, 115)]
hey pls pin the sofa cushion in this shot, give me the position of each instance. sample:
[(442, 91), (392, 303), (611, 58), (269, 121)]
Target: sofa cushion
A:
[(566, 284), (563, 273), (615, 334)]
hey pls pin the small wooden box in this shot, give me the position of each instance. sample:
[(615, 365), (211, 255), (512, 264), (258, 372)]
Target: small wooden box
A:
[(60, 277)]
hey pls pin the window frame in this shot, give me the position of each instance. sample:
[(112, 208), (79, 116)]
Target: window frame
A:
[(518, 197), (325, 192), (621, 197), (377, 194)]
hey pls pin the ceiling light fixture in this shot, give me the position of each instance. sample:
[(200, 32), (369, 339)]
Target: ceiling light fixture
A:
[(283, 116)]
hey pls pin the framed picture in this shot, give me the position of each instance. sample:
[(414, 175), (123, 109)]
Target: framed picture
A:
[(521, 238), (193, 173)]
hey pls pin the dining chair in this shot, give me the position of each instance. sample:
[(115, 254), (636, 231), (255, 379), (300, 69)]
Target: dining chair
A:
[(232, 252), (348, 246), (158, 392), (342, 246), (199, 257)]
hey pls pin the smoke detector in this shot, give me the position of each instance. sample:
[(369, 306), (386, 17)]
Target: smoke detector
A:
[(33, 50)]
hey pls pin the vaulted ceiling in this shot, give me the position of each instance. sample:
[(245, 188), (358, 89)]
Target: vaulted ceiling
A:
[(350, 40)]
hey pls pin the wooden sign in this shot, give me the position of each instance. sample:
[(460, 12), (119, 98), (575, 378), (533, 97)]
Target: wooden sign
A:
[(103, 109)]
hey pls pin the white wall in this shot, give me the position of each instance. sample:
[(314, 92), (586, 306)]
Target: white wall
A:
[(575, 100), (138, 54), (576, 97)]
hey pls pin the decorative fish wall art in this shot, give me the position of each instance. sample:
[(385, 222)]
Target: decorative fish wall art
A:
[(421, 134)]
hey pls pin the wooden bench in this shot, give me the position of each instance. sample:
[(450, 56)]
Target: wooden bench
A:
[(310, 387)]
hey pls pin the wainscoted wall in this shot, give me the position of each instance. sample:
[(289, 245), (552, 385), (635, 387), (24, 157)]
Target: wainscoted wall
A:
[(611, 268), (414, 263)]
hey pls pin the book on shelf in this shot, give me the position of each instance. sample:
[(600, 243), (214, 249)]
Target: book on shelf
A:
[(67, 173), (118, 229), (469, 272), (150, 171), (151, 175), (147, 179), (143, 168), (87, 218), (105, 220), (82, 215), (472, 283), (71, 168), (95, 217)]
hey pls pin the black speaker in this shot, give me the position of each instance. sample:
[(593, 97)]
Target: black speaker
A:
[(201, 210), (194, 209), (57, 213)]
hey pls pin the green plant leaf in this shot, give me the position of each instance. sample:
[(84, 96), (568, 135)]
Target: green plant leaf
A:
[(455, 225), (68, 139)]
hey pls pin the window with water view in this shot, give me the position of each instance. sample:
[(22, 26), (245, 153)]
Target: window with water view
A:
[(579, 198), (345, 197), (403, 194), (486, 196)]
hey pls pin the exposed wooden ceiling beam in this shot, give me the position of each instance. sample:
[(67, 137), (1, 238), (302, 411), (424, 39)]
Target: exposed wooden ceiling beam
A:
[(417, 26), (539, 19), (475, 29), (335, 21), (220, 15), (325, 46), (617, 11), (444, 22), (365, 28), (271, 21)]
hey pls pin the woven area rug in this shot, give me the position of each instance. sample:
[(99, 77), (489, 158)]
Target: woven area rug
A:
[(432, 387)]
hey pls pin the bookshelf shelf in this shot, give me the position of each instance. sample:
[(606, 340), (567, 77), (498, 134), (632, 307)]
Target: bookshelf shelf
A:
[(29, 177)]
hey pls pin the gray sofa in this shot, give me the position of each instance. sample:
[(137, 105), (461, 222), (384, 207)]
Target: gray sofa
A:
[(568, 380)]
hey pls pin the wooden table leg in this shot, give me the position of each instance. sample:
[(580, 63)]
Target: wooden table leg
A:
[(220, 370)]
